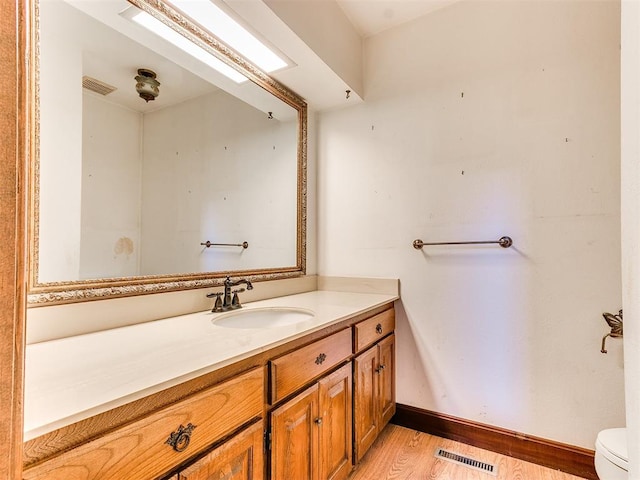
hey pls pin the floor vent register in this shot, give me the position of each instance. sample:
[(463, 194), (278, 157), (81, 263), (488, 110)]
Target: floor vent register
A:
[(466, 461)]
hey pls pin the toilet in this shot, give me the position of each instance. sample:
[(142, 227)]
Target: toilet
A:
[(611, 454)]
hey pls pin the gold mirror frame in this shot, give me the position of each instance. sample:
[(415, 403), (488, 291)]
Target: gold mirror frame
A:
[(41, 294)]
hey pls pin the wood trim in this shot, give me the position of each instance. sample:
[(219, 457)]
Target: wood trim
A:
[(548, 453), (14, 142)]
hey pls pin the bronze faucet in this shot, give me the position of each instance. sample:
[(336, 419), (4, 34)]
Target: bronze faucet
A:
[(229, 302)]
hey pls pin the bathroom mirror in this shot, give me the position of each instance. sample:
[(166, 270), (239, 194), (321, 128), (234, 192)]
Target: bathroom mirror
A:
[(134, 195)]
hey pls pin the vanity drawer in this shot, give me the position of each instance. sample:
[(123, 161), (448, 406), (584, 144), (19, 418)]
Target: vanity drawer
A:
[(140, 450), (370, 331), (293, 370)]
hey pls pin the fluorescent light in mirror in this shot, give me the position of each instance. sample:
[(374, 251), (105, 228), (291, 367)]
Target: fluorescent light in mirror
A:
[(156, 26), (229, 31)]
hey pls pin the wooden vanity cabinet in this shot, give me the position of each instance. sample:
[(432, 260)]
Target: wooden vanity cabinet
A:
[(374, 380), (336, 413), (387, 383), (292, 371), (142, 450), (326, 401), (294, 437), (311, 433), (330, 424), (240, 458)]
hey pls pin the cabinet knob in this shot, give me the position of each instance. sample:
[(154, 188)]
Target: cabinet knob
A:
[(180, 439), (379, 329), (318, 421), (380, 368), (320, 358)]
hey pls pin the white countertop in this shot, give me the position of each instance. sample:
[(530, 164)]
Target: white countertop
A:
[(74, 378)]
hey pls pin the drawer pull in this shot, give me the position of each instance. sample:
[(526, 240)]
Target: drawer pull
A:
[(379, 329), (320, 359), (318, 421), (180, 439)]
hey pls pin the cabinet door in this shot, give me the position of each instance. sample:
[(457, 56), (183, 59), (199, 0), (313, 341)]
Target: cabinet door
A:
[(335, 430), (240, 458), (294, 438), (387, 380), (365, 406)]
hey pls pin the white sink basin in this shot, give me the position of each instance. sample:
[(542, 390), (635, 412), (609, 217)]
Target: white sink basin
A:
[(263, 317)]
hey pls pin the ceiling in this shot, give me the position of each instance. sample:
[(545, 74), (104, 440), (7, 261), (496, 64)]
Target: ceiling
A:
[(370, 17), (312, 78)]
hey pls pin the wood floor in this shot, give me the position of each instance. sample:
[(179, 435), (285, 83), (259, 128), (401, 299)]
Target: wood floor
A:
[(403, 454)]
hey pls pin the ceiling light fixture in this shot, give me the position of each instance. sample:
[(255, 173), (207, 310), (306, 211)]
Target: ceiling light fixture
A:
[(147, 85), (230, 32), (156, 26)]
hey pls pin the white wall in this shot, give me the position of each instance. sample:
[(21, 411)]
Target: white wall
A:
[(212, 168), (86, 231), (630, 106), (481, 120), (60, 71), (206, 181), (90, 221), (111, 189)]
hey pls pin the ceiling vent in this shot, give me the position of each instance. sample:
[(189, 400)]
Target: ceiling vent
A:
[(97, 86)]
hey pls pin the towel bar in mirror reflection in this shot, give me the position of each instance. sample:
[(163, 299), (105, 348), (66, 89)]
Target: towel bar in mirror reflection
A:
[(209, 244)]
